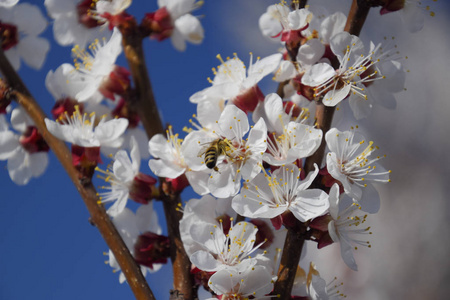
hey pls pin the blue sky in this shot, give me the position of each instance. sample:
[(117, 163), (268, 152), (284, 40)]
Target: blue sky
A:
[(48, 249)]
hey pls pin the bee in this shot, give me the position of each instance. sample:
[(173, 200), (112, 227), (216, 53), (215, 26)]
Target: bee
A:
[(212, 153)]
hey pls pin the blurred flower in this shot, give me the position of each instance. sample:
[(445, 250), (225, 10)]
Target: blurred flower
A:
[(26, 153), (74, 23), (20, 26)]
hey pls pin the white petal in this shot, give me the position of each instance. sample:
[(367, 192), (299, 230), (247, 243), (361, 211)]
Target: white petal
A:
[(108, 132), (310, 52), (147, 219), (9, 144), (318, 74), (18, 167), (309, 204), (224, 183), (177, 40), (29, 19), (332, 25), (38, 163), (20, 120), (190, 28), (204, 261), (333, 97), (163, 168), (233, 123)]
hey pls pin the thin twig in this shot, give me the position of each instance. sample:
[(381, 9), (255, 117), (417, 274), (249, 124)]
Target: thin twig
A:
[(86, 189)]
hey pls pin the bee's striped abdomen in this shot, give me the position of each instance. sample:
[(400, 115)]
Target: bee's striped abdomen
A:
[(211, 156)]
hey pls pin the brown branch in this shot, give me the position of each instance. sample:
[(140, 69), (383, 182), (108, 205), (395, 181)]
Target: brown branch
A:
[(145, 105), (324, 116), (86, 189)]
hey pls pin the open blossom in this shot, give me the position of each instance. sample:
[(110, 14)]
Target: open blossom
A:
[(8, 3), (288, 140), (20, 26), (351, 161), (207, 210), (241, 157), (97, 70), (254, 283), (279, 20), (234, 82), (271, 195), (74, 23), (83, 131), (351, 74), (126, 181), (130, 226), (26, 152), (411, 11), (224, 251), (346, 227), (314, 287), (173, 19)]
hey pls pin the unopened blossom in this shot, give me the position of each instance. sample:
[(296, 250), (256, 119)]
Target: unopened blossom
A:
[(174, 19), (130, 226), (238, 84), (26, 153), (349, 77), (351, 161), (347, 227), (254, 283), (83, 130), (224, 251), (97, 69), (20, 26), (271, 195), (74, 23), (241, 158)]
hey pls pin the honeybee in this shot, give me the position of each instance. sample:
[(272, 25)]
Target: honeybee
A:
[(212, 153)]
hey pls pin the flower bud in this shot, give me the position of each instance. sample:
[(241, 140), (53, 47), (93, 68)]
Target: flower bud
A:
[(32, 141), (151, 248), (158, 24), (143, 188)]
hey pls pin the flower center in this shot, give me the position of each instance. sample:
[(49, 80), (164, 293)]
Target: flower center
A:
[(85, 17), (9, 35)]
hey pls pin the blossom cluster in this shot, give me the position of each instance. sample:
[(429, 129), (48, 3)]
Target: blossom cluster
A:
[(249, 155)]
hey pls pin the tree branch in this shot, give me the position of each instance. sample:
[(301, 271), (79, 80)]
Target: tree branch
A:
[(145, 105), (324, 116), (86, 189)]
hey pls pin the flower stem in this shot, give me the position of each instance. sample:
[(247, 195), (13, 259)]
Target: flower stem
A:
[(147, 109), (85, 187), (324, 116)]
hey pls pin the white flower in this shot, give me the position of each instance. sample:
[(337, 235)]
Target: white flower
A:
[(8, 3), (24, 22), (124, 170), (113, 7), (64, 83), (25, 159), (224, 251), (280, 20), (350, 75), (80, 130), (269, 196), (94, 68), (352, 163), (169, 151), (345, 228), (233, 81), (255, 282), (241, 158), (130, 226), (314, 287), (73, 24), (186, 27), (207, 210)]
